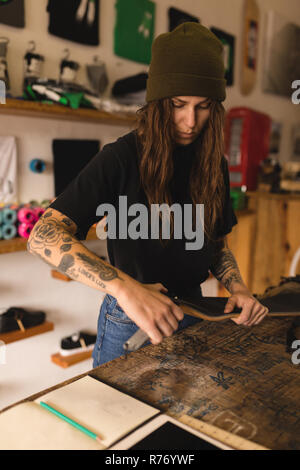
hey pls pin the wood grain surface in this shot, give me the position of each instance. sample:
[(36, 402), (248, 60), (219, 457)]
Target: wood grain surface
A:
[(236, 378)]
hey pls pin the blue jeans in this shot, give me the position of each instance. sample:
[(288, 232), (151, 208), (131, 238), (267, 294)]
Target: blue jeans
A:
[(115, 328)]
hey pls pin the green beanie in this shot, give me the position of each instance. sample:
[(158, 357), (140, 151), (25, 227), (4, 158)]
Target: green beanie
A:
[(188, 61)]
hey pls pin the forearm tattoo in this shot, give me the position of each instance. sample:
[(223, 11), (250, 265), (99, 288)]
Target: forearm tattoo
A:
[(50, 235), (225, 268), (106, 273)]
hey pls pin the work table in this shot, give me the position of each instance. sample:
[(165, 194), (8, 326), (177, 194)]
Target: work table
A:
[(236, 378)]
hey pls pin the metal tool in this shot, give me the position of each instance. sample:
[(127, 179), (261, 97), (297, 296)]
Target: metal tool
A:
[(136, 341), (140, 338)]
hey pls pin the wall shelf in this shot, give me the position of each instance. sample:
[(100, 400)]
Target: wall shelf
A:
[(54, 111), (19, 244)]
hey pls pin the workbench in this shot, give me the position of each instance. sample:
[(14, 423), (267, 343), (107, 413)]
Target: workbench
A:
[(237, 378)]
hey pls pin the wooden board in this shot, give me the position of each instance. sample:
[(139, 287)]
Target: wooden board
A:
[(67, 361), (238, 379), (60, 276), (269, 252), (18, 334), (250, 46), (55, 111), (232, 440)]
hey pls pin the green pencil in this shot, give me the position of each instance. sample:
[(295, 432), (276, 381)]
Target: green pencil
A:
[(70, 421)]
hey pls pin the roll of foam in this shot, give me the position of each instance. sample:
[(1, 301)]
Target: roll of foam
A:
[(9, 231), (26, 215), (25, 229), (39, 211), (9, 216), (37, 165)]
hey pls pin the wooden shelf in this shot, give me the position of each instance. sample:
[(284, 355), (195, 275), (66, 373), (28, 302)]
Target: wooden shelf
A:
[(54, 111), (20, 244)]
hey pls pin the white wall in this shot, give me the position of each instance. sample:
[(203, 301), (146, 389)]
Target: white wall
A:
[(24, 280)]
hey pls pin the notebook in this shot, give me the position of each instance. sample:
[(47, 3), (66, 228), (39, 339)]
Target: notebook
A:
[(98, 407)]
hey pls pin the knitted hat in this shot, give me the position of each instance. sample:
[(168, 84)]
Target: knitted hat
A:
[(188, 61)]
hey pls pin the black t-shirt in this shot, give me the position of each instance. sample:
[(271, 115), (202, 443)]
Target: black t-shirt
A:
[(75, 20), (114, 172)]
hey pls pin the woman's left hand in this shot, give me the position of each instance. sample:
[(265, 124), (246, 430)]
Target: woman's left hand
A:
[(253, 312)]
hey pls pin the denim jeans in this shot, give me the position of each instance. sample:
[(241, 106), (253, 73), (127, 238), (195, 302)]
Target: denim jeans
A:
[(115, 328)]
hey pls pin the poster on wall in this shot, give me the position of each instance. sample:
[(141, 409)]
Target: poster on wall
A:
[(177, 17), (12, 13), (229, 52), (134, 29), (77, 21), (282, 55)]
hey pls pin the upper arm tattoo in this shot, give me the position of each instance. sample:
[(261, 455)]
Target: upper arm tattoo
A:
[(49, 232)]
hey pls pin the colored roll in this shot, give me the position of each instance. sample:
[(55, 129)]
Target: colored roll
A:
[(9, 231), (39, 211), (25, 229), (9, 216), (26, 215), (37, 165)]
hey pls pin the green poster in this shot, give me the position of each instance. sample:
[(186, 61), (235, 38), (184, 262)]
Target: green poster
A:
[(134, 29)]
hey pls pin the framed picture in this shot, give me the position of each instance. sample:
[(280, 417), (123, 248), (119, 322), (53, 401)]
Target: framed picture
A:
[(134, 29), (229, 51), (281, 55), (177, 17)]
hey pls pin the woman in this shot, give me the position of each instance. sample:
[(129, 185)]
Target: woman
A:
[(175, 155)]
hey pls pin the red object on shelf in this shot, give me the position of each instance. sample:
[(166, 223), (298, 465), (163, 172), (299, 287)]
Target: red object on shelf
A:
[(247, 143)]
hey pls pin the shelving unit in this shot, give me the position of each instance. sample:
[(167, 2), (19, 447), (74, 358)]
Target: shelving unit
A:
[(19, 244), (32, 109), (54, 111)]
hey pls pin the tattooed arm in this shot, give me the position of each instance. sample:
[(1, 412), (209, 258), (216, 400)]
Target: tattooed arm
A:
[(224, 267), (53, 240)]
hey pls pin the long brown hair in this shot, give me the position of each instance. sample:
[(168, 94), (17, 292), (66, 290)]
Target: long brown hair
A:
[(155, 140)]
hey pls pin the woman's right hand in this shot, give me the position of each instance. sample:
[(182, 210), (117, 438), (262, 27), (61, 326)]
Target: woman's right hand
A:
[(152, 311)]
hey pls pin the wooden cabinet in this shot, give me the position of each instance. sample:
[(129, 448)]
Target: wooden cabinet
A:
[(266, 239), (240, 241), (276, 237)]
